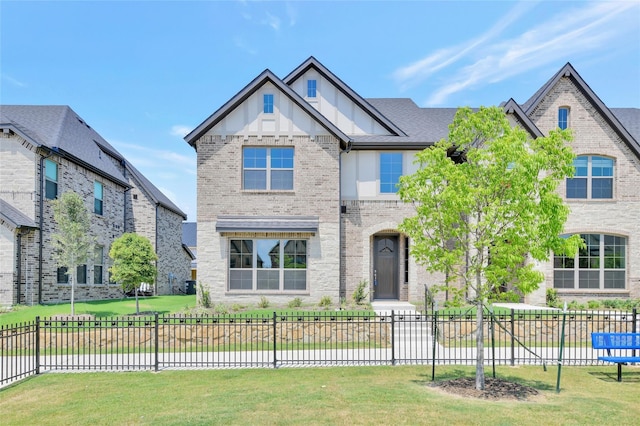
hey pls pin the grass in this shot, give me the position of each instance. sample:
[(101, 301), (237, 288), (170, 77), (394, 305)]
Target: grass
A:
[(315, 396), (102, 308)]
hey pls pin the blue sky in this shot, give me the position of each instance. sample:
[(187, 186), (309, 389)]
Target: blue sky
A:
[(145, 73)]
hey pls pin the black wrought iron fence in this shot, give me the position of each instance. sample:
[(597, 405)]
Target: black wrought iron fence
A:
[(299, 339)]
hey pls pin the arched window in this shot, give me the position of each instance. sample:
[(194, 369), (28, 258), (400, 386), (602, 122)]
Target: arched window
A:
[(593, 178)]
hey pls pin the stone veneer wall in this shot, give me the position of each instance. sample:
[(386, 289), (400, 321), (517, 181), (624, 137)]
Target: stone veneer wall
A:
[(618, 216), (316, 193), (363, 220)]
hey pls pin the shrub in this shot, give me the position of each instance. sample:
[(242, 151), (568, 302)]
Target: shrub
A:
[(552, 298), (325, 302), (204, 296), (295, 303), (594, 304), (236, 307), (263, 303), (360, 293), (221, 309)]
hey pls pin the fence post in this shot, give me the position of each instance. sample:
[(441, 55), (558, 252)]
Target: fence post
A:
[(275, 357), (37, 351), (513, 336), (435, 341), (393, 339), (157, 341), (634, 326)]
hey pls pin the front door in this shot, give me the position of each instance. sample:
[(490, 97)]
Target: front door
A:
[(385, 264)]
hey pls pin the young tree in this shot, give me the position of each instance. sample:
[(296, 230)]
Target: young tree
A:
[(481, 219), (133, 262), (72, 243)]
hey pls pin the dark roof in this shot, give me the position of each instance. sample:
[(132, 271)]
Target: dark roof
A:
[(612, 120), (190, 234), (59, 129), (312, 62), (156, 195), (512, 107), (14, 216), (250, 89), (630, 119), (307, 224)]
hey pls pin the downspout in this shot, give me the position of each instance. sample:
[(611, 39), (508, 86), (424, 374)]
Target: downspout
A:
[(41, 224), (19, 266), (342, 291), (156, 238)]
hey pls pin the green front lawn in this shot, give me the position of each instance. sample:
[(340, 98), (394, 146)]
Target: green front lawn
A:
[(102, 308), (313, 396)]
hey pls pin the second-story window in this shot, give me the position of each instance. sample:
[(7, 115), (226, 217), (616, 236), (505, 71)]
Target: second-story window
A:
[(311, 88), (563, 117), (267, 106), (267, 168), (593, 178), (98, 191), (51, 179), (390, 171)]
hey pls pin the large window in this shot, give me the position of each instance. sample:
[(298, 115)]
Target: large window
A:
[(51, 179), (268, 265), (390, 171), (98, 190), (267, 105), (98, 258), (593, 178), (600, 265), (81, 274), (267, 168), (563, 117)]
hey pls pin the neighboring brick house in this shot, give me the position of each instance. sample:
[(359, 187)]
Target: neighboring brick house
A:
[(297, 197), (45, 151)]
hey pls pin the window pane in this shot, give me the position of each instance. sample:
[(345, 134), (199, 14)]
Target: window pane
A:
[(281, 179), (255, 179), (577, 188), (241, 254), (601, 166), (240, 279), (563, 116), (589, 279), (268, 280), (268, 104), (295, 254), (268, 253), (97, 274), (311, 88), (63, 278), (282, 158), (255, 158), (97, 264), (51, 190), (97, 206), (390, 171), (581, 165), (614, 279), (295, 280), (602, 188), (82, 274), (51, 170), (563, 279)]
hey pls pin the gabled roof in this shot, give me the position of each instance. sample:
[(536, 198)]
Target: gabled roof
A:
[(313, 63), (60, 130), (190, 234), (156, 195), (250, 89), (570, 72), (512, 107), (15, 217)]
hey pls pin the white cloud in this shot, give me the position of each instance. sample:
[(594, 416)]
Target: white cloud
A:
[(180, 130), (272, 21), (487, 58), (240, 43), (13, 81)]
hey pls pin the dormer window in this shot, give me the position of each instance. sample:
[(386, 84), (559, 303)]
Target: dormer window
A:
[(267, 107), (311, 88), (563, 117)]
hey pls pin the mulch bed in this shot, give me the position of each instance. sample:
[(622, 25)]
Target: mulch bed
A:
[(494, 389)]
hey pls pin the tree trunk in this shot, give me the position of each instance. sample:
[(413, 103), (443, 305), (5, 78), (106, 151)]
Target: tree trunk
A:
[(137, 305), (74, 274)]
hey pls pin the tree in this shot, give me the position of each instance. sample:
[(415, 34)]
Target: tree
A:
[(133, 262), (481, 218), (72, 243)]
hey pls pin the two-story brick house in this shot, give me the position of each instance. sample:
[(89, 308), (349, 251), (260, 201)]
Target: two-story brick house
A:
[(45, 151), (297, 189)]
